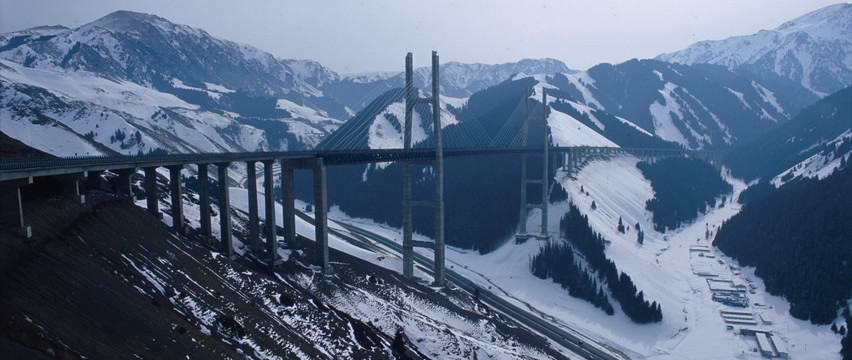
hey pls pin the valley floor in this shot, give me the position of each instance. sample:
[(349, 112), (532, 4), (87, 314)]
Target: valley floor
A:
[(668, 267)]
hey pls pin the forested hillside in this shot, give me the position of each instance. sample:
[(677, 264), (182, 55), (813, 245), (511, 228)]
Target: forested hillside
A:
[(683, 187), (796, 140), (798, 237), (556, 261)]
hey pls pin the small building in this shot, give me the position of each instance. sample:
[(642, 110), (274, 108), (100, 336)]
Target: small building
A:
[(765, 345), (780, 347)]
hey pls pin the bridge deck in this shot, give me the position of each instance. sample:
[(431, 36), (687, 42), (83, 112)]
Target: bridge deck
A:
[(11, 169)]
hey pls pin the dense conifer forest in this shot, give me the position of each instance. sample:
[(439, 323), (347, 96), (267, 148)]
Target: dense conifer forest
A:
[(798, 238), (683, 187), (557, 261)]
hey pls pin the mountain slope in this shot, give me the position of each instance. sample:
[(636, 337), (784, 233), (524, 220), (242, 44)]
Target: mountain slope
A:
[(803, 225), (699, 107), (825, 126), (814, 50), (458, 80), (132, 60)]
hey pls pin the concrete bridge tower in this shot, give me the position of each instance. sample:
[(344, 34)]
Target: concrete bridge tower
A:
[(522, 234), (408, 243)]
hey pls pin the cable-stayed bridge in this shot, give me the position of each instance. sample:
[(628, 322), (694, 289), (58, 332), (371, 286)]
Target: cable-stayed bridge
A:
[(419, 129), (413, 140)]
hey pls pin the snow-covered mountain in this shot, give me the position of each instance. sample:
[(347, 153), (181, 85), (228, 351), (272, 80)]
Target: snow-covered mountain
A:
[(458, 80), (131, 83), (697, 106), (814, 50), (812, 144), (147, 49)]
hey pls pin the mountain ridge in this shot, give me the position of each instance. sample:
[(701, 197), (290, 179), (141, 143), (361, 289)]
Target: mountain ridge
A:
[(814, 49)]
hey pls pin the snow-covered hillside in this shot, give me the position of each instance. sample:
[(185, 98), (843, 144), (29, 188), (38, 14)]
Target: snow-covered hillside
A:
[(814, 50), (177, 87), (671, 268), (79, 113)]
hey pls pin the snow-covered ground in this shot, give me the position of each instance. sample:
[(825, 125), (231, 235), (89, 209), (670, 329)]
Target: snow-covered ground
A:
[(665, 267), (692, 326)]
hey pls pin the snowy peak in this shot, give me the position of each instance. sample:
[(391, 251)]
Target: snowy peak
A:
[(147, 49), (831, 23), (462, 79), (814, 50)]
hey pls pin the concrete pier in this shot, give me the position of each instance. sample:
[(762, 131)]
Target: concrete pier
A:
[(227, 240), (204, 199), (288, 202), (124, 186), (177, 198), (151, 192), (11, 207), (253, 223), (71, 187), (321, 217), (269, 202)]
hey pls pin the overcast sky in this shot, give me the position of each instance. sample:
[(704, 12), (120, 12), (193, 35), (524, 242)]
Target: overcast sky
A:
[(356, 36)]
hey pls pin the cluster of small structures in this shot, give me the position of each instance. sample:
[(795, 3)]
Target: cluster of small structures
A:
[(732, 293), (767, 344)]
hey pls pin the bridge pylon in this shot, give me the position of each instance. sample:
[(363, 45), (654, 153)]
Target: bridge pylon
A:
[(522, 234), (408, 204)]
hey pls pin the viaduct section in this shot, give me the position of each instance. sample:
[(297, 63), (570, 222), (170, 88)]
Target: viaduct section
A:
[(73, 173)]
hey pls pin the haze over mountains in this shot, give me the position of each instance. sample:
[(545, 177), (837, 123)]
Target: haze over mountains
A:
[(777, 103)]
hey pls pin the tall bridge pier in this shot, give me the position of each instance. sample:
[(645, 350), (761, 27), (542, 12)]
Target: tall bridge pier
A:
[(408, 203), (522, 234)]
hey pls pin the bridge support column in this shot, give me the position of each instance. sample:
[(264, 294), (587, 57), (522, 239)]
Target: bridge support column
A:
[(71, 186), (11, 207), (321, 217), (439, 175), (125, 187), (204, 199), (227, 241), (407, 245), (177, 199), (269, 202), (522, 234), (407, 203), (152, 195), (253, 222), (288, 205)]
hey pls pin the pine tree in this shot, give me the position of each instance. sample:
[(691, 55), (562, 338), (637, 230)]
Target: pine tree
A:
[(641, 237), (398, 344), (620, 226), (594, 206), (834, 328)]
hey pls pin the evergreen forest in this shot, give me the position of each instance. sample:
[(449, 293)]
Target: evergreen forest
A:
[(683, 187), (798, 238), (557, 261)]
